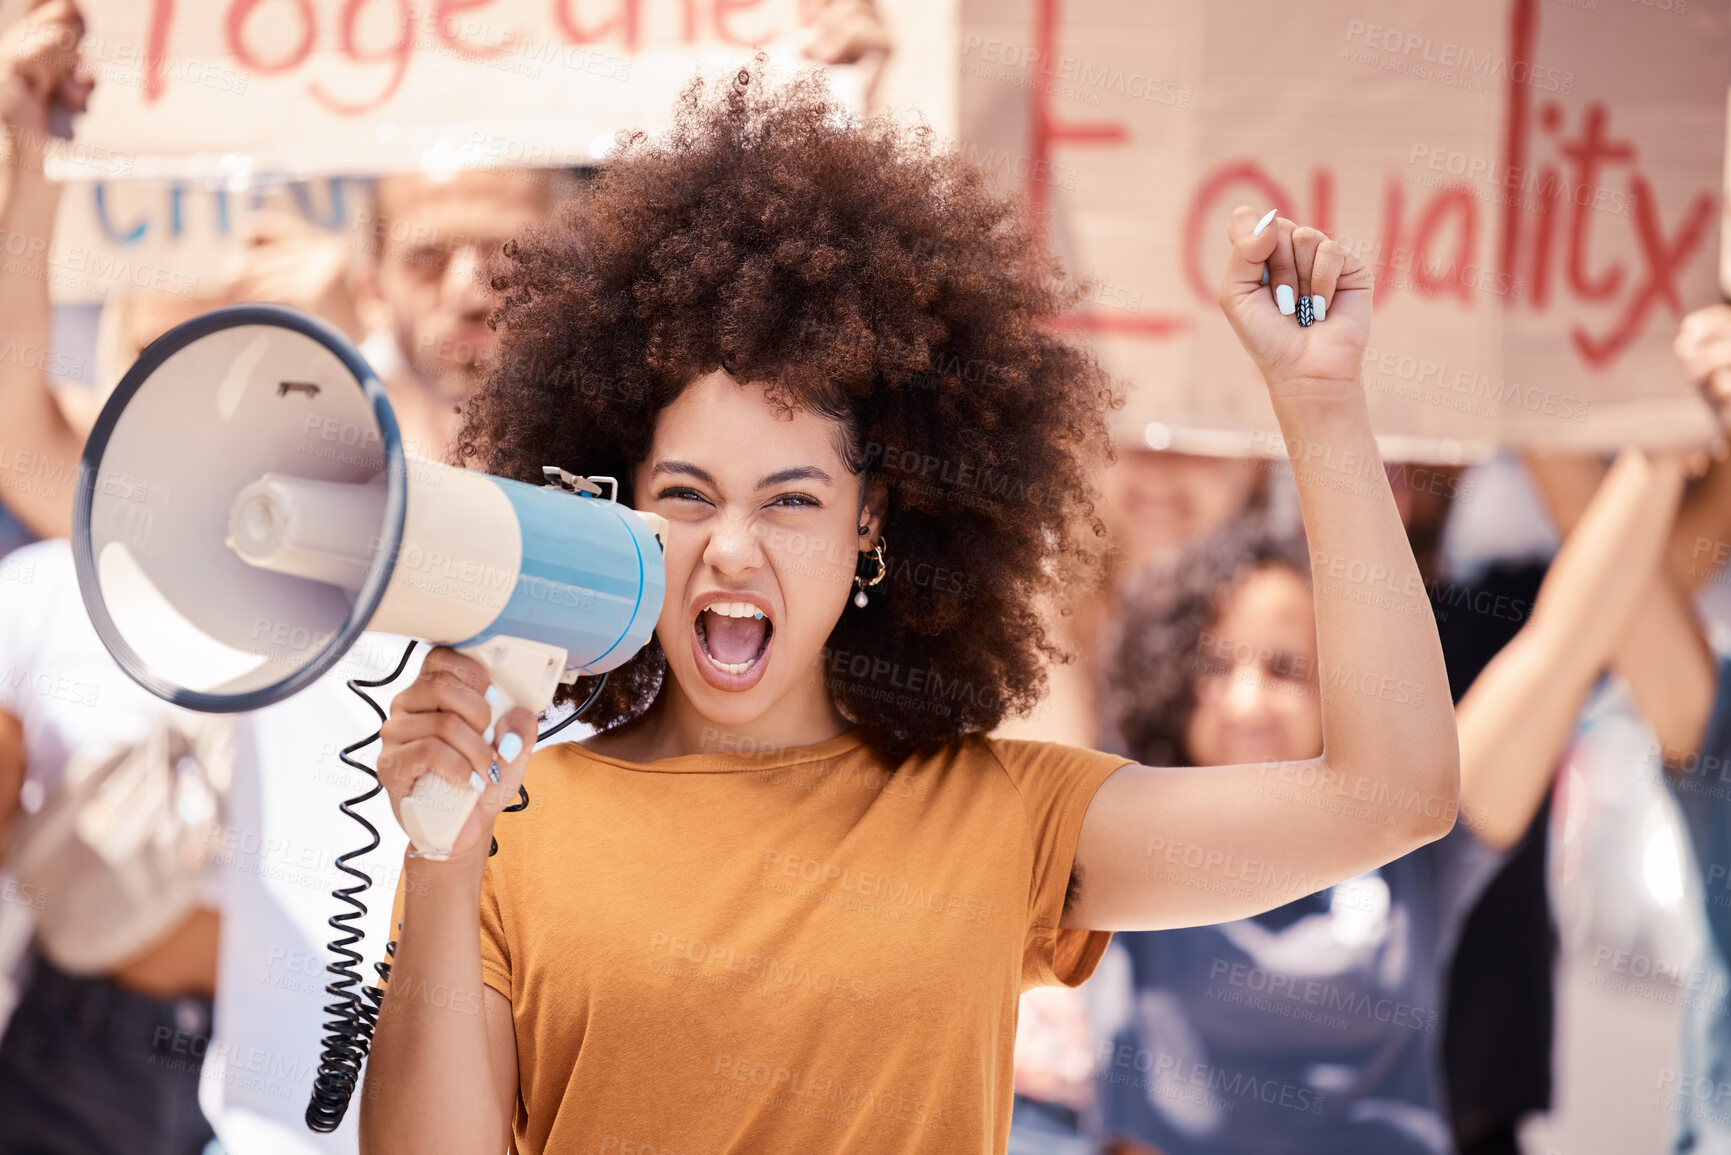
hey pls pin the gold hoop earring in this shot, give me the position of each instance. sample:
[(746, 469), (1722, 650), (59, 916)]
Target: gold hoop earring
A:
[(859, 598)]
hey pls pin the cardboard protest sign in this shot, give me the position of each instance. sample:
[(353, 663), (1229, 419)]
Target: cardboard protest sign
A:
[(204, 112), (298, 88), (1536, 185)]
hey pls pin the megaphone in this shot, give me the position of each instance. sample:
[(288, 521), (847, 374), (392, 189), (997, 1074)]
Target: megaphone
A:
[(245, 510)]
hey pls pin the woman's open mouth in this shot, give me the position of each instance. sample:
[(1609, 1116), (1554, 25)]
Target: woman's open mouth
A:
[(731, 640)]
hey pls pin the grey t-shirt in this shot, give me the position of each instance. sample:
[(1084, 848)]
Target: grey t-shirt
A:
[(1311, 1028)]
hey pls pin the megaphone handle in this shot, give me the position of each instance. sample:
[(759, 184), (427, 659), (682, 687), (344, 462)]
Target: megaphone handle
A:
[(524, 673)]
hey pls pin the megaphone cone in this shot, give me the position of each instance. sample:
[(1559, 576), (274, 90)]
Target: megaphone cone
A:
[(245, 510)]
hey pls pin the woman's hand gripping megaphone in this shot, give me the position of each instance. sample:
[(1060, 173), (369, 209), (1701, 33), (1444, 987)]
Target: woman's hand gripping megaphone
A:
[(443, 724)]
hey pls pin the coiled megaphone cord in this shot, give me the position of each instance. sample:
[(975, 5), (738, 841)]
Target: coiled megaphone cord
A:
[(349, 1030)]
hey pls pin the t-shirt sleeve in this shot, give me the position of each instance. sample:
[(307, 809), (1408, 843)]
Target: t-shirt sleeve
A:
[(1056, 784), (495, 950)]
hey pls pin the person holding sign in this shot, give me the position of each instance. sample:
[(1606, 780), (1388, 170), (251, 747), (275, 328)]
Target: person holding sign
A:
[(787, 898), (1678, 680), (148, 1016), (41, 78)]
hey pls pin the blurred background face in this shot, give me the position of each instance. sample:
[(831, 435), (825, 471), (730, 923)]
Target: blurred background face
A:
[(1156, 502), (1256, 698), (430, 287)]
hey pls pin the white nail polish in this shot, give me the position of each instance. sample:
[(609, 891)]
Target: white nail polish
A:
[(487, 735), (493, 697), (1263, 223), (477, 782), (1320, 306), (1284, 298)]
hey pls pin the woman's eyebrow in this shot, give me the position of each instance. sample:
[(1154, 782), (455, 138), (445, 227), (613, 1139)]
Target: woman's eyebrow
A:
[(782, 477), (798, 473), (684, 468)]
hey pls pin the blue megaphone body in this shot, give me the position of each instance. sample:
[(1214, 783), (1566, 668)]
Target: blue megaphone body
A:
[(246, 510)]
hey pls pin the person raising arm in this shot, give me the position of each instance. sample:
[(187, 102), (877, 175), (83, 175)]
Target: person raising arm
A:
[(1388, 725), (39, 70)]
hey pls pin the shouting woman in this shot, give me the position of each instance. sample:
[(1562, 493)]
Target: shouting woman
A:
[(787, 897)]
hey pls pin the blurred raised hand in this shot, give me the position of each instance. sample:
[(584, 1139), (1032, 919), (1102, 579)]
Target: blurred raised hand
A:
[(41, 77), (851, 32), (1703, 344), (41, 69)]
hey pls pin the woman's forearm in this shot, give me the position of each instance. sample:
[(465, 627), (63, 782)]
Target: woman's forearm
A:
[(1387, 718), (1671, 671), (1521, 711), (430, 1085), (1662, 655), (1698, 550)]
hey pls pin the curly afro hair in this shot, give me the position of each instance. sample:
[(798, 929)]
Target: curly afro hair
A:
[(858, 271), (1157, 655)]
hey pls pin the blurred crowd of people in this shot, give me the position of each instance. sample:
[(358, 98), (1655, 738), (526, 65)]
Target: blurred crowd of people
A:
[(1412, 1009)]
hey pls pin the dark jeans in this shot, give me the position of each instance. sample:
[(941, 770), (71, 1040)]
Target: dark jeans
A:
[(90, 1068)]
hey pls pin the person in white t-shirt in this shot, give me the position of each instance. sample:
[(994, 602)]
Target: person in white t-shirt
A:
[(106, 822), (118, 1052)]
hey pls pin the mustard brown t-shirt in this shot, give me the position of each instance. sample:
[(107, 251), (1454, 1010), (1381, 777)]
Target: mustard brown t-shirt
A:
[(796, 950)]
